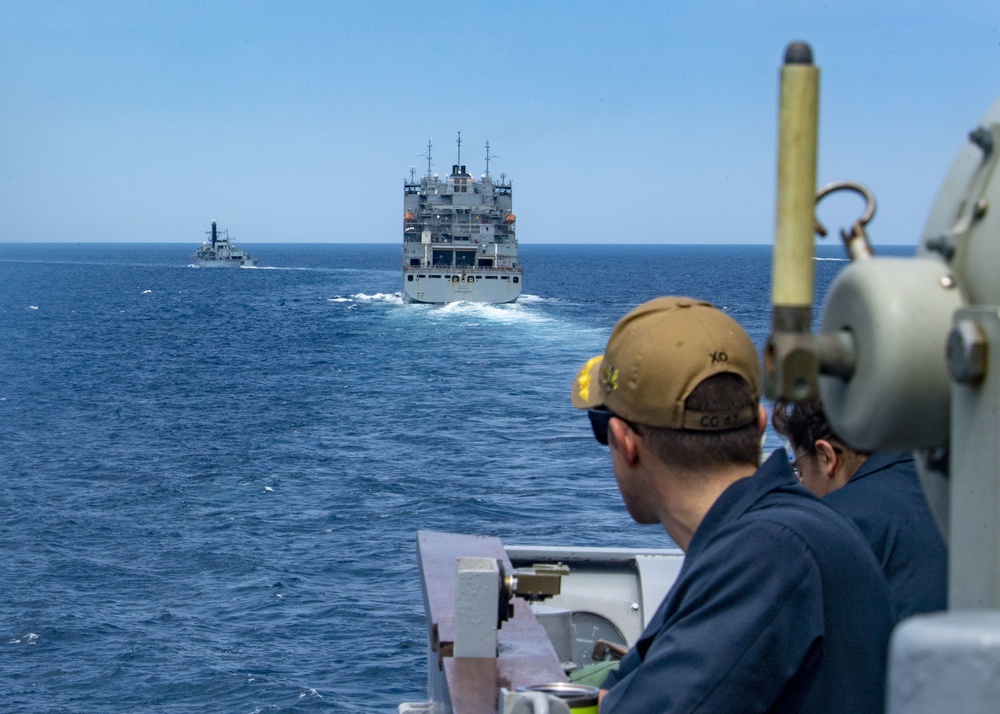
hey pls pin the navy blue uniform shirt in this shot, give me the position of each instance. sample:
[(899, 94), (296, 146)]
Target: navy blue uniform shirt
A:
[(780, 606), (885, 501)]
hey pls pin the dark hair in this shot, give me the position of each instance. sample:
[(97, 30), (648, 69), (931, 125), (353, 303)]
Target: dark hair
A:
[(803, 423), (682, 448)]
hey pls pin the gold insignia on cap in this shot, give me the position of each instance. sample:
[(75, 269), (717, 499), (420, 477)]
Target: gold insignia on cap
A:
[(583, 378), (609, 377)]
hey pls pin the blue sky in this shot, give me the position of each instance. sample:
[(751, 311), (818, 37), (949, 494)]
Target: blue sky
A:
[(634, 122)]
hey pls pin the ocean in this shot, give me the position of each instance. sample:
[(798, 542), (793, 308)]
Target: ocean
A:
[(212, 479)]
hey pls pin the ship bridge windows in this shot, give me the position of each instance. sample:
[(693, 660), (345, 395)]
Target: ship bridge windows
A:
[(485, 262), (448, 258), (441, 258)]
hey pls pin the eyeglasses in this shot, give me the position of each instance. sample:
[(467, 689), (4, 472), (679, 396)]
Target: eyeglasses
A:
[(794, 463), (599, 419)]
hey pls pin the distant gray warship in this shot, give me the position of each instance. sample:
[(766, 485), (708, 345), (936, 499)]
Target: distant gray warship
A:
[(459, 239), (218, 252)]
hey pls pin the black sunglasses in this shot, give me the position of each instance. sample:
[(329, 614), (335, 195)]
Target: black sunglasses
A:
[(599, 418)]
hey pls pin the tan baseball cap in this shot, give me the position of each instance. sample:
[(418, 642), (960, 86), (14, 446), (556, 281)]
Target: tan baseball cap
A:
[(657, 354)]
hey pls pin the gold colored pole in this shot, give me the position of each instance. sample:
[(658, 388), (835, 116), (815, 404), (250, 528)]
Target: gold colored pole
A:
[(791, 366), (796, 217)]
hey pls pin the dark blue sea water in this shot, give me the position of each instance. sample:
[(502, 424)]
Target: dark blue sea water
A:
[(211, 480)]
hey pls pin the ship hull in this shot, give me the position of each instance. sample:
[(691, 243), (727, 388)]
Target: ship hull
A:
[(438, 287), (225, 263)]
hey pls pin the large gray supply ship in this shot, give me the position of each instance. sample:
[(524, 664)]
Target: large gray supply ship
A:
[(218, 252), (459, 237), (906, 357)]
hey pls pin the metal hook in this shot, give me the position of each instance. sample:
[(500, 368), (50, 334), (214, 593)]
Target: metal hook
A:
[(856, 242), (847, 186)]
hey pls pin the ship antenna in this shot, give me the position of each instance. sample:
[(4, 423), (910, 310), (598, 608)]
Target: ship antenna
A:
[(413, 173), (428, 158), (488, 157), (459, 148)]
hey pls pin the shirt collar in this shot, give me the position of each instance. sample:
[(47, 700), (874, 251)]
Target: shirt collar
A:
[(879, 461), (774, 474)]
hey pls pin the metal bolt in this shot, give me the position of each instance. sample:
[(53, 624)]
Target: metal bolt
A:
[(967, 352), (980, 209)]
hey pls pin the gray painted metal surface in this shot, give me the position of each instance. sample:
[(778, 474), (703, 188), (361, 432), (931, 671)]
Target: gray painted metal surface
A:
[(459, 238), (609, 593), (477, 586), (947, 662)]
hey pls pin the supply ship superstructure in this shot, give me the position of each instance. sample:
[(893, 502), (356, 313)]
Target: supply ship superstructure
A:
[(459, 237)]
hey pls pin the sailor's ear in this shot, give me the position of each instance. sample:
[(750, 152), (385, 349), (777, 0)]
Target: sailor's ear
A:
[(761, 418), (826, 457), (625, 440)]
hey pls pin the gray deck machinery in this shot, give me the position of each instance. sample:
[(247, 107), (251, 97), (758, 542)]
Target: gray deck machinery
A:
[(908, 357)]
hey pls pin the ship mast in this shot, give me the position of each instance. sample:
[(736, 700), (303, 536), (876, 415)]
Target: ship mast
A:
[(459, 148), (487, 157), (428, 158)]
